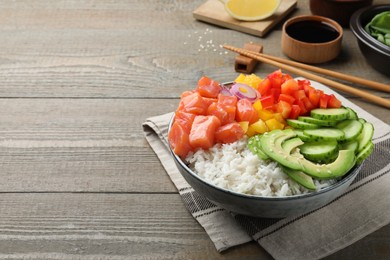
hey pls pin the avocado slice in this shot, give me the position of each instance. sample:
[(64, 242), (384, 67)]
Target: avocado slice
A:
[(272, 144), (300, 178), (343, 163)]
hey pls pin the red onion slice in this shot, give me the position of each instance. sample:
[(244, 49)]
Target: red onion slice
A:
[(243, 91)]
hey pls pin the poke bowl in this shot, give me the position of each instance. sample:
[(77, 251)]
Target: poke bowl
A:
[(246, 171)]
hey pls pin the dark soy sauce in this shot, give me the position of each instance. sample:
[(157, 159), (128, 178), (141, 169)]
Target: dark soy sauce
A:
[(312, 31)]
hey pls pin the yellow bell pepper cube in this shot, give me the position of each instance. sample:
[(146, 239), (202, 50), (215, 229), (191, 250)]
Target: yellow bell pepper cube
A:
[(240, 79), (265, 114), (273, 124), (259, 127), (244, 125), (257, 105)]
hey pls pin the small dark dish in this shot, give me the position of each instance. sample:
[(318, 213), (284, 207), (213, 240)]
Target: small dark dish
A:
[(261, 206), (376, 53), (338, 10), (311, 39)]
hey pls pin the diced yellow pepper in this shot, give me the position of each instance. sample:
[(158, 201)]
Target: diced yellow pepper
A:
[(240, 78), (265, 114), (244, 125), (254, 80), (257, 105), (280, 118), (251, 80), (273, 124), (250, 132), (259, 127)]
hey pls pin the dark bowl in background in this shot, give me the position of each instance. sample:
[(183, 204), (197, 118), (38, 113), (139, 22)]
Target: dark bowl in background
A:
[(338, 10), (376, 53)]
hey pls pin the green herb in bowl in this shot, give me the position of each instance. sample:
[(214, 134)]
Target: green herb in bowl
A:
[(379, 27)]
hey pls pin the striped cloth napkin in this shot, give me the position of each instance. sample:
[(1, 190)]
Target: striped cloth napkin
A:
[(362, 209)]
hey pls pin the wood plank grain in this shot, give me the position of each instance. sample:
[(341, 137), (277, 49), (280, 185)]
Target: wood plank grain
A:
[(104, 226), (110, 64), (79, 145), (124, 226)]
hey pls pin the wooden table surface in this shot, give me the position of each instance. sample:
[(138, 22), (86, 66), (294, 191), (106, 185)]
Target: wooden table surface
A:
[(77, 80)]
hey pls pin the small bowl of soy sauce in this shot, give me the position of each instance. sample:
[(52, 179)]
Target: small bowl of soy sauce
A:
[(311, 39)]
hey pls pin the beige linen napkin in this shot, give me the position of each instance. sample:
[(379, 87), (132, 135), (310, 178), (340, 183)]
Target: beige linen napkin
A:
[(362, 209)]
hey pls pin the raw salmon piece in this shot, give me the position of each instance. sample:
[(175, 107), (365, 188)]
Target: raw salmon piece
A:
[(229, 133), (179, 140), (203, 130), (208, 87), (193, 103), (186, 93), (227, 100), (184, 119), (219, 111), (229, 104), (209, 101), (246, 112)]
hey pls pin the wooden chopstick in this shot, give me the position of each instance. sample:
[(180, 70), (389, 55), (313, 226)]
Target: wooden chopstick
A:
[(333, 74), (365, 95)]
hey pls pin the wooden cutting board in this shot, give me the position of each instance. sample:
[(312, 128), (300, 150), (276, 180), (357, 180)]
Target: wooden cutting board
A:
[(213, 12)]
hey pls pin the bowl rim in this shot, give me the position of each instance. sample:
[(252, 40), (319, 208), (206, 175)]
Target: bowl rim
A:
[(348, 176), (327, 21), (358, 28)]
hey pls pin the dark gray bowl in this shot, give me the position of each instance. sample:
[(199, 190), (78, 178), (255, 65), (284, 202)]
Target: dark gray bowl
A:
[(376, 53), (259, 206)]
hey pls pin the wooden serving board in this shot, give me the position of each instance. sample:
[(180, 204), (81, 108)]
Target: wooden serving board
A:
[(213, 12)]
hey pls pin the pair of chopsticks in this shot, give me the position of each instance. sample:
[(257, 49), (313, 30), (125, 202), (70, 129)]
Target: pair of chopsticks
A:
[(298, 68)]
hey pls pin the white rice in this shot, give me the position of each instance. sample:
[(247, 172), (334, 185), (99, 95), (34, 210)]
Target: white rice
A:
[(234, 167)]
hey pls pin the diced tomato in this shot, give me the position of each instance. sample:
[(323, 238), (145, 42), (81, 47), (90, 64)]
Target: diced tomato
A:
[(307, 89), (202, 131), (299, 94), (309, 106), (184, 119), (246, 112), (301, 106), (179, 140), (287, 98), (314, 96), (295, 112), (275, 92), (286, 77), (303, 82), (284, 108), (333, 102), (208, 87), (229, 133), (264, 86), (324, 101), (194, 104), (289, 87), (267, 101), (276, 78)]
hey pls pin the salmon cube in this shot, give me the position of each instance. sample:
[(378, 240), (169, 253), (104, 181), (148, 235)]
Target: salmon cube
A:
[(203, 131), (229, 133)]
